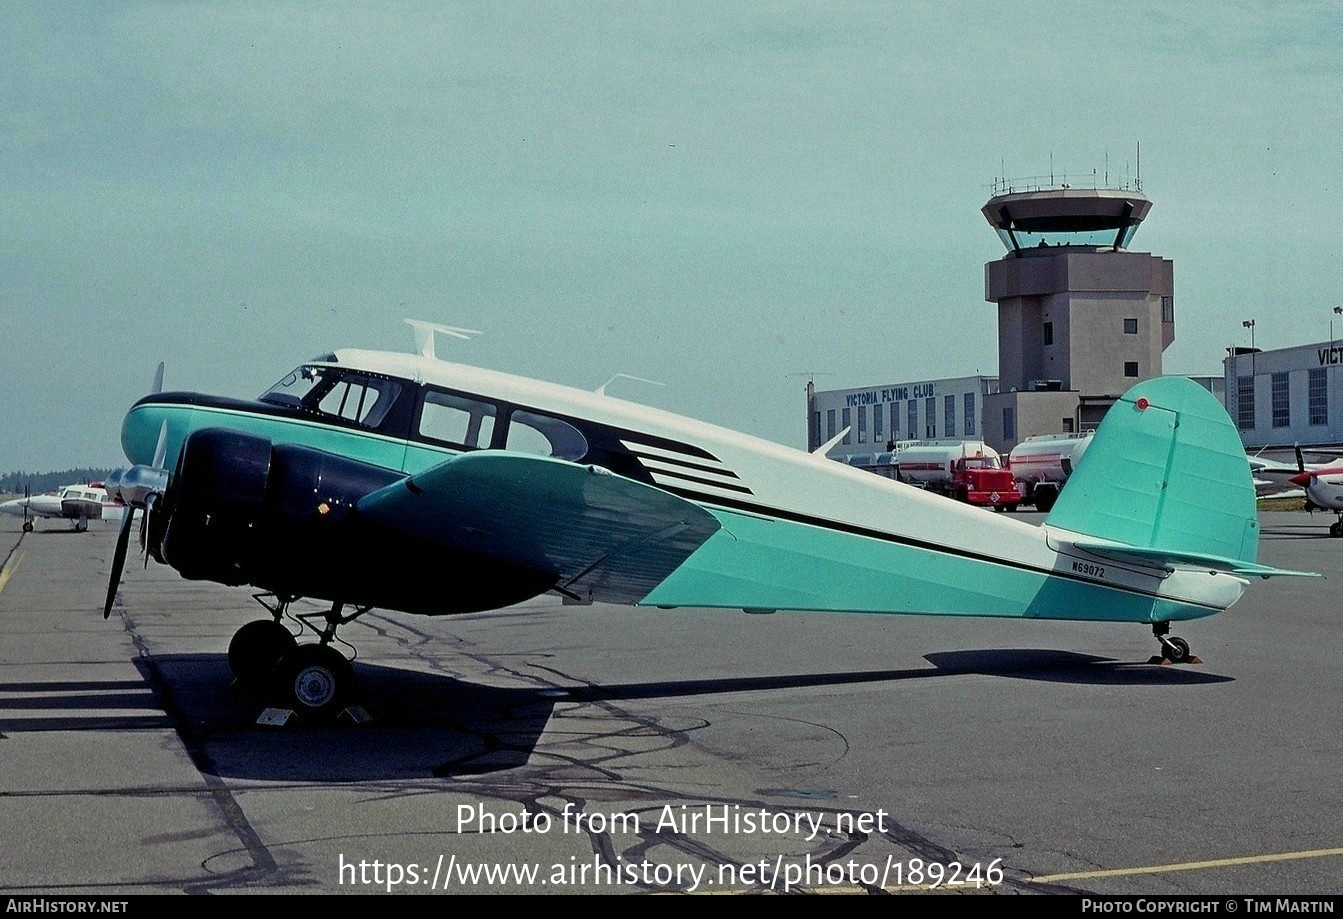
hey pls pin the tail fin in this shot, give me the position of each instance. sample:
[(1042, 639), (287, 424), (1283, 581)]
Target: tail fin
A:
[(1166, 478)]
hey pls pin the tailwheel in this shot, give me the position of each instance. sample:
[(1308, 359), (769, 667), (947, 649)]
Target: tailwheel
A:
[(1173, 650), (257, 647), (1177, 650), (316, 681)]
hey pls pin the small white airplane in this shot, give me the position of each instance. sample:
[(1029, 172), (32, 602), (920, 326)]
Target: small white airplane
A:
[(77, 503), (401, 481)]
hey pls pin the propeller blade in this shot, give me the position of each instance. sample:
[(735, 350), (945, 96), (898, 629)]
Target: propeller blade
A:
[(119, 560), (161, 448), (1300, 463), (158, 380), (144, 525)]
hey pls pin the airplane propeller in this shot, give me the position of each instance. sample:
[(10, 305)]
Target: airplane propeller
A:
[(138, 488)]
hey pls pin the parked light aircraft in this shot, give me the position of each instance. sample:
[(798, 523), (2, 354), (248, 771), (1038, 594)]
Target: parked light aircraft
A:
[(405, 482), (1324, 489), (77, 503)]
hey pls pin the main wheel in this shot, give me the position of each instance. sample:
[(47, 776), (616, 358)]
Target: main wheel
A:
[(316, 681), (27, 526), (1177, 650), (1336, 529), (257, 647)]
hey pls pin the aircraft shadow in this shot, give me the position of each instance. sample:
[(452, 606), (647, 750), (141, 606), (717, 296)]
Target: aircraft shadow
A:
[(430, 725)]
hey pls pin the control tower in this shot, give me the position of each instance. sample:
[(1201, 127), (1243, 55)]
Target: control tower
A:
[(1080, 317)]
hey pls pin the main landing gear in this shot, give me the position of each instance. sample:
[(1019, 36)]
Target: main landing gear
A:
[(1336, 528), (314, 680), (1173, 650)]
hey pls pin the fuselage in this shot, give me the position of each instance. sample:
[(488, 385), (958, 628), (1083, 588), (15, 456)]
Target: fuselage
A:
[(798, 531)]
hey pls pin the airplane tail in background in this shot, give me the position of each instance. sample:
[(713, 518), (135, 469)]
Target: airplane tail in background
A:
[(1166, 479)]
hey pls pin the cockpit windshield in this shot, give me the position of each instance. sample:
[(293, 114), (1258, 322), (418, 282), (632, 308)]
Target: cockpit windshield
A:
[(336, 392)]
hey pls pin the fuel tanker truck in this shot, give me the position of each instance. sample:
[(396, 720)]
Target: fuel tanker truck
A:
[(1041, 464), (967, 470)]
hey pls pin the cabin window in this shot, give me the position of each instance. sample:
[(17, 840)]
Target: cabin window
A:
[(457, 420), (334, 391), (543, 435)]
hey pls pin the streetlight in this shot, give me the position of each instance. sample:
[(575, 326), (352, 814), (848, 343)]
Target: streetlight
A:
[(1249, 324)]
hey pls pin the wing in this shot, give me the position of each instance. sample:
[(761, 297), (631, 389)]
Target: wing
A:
[(602, 536)]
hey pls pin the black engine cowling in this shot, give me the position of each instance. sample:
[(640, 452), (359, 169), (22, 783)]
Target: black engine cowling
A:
[(241, 510)]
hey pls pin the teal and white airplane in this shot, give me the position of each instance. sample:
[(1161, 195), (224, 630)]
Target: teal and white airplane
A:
[(401, 481)]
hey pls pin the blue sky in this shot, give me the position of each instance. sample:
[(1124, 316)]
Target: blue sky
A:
[(720, 197)]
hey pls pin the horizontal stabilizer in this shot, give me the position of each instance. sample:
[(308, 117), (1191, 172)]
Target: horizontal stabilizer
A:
[(603, 536), (1176, 558)]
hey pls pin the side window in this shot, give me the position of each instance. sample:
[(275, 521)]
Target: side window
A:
[(359, 399), (457, 420), (529, 432)]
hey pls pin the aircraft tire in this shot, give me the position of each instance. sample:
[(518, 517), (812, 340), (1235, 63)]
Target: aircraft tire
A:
[(1177, 650), (257, 647), (27, 526), (316, 681), (1335, 529)]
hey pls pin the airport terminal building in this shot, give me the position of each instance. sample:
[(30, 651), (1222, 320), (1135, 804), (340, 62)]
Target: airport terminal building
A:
[(1288, 397), (878, 415)]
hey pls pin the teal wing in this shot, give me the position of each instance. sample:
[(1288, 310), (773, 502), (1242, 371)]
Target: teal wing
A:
[(603, 536)]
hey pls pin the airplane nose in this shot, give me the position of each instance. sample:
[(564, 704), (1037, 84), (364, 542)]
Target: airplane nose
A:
[(1301, 478)]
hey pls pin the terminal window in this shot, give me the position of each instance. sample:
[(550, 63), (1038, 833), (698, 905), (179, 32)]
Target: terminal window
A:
[(862, 424), (895, 419), (913, 419), (930, 416), (829, 424), (1130, 327), (876, 423), (1245, 403), (1009, 424), (848, 425), (1282, 414), (1049, 333), (970, 413), (1319, 396), (1130, 368), (950, 420)]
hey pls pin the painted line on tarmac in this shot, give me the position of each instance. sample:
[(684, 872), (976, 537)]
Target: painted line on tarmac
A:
[(10, 566), (1189, 866)]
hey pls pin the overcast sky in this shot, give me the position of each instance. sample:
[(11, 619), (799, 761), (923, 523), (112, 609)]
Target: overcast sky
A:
[(721, 197)]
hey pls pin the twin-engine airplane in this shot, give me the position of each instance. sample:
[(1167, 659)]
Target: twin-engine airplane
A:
[(408, 483), (76, 503)]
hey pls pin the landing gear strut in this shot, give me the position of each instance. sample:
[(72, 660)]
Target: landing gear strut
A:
[(1173, 650)]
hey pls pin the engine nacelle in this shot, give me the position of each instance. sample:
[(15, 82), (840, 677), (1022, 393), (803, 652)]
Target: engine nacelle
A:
[(241, 510)]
